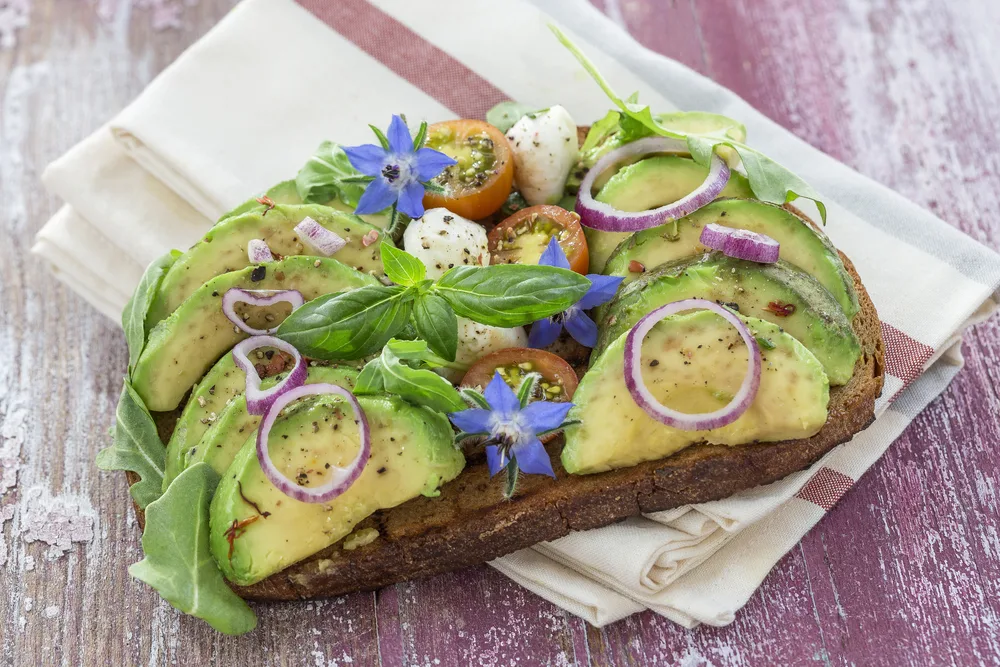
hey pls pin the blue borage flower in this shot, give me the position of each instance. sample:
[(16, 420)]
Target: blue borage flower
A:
[(512, 426), (400, 169), (577, 323)]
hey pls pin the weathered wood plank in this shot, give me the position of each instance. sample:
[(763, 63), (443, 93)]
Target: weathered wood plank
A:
[(904, 571)]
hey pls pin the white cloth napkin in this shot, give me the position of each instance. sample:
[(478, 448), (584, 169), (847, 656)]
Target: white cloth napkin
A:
[(230, 118)]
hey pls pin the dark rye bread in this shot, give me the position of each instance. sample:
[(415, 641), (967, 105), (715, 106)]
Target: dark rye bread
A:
[(471, 523)]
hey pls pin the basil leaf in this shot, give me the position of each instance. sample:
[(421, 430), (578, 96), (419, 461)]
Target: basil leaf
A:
[(136, 448), (321, 180), (417, 385), (510, 295), (437, 324), (505, 115), (134, 315), (178, 563), (402, 267), (348, 325), (769, 181), (370, 379)]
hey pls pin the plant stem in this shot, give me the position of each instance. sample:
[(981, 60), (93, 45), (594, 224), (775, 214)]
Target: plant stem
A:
[(396, 226)]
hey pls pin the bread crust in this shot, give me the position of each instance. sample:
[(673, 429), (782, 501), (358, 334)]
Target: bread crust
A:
[(471, 523)]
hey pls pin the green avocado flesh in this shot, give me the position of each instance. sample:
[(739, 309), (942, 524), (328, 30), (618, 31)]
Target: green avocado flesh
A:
[(757, 290), (208, 400), (801, 244), (285, 193), (224, 249), (411, 454), (647, 184), (184, 346), (701, 362), (230, 430)]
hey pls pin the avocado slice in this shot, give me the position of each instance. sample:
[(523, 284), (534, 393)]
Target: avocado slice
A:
[(230, 430), (801, 244), (285, 193), (649, 183), (756, 290), (411, 454), (184, 346), (224, 248), (700, 363)]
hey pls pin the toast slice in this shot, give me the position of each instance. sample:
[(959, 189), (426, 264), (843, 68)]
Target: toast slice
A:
[(471, 523)]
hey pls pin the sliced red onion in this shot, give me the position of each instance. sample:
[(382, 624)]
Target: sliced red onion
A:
[(340, 478), (740, 243), (258, 400), (258, 252), (681, 420), (258, 297), (607, 218), (321, 238)]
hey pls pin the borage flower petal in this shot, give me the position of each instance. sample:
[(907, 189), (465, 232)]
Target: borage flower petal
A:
[(368, 159), (501, 397), (430, 163), (580, 327), (378, 196), (400, 140), (554, 255), (411, 199), (532, 458), (602, 289), (544, 333), (473, 420), (545, 415)]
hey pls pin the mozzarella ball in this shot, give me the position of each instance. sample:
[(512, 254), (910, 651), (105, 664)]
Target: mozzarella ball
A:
[(545, 150), (442, 240), (476, 340)]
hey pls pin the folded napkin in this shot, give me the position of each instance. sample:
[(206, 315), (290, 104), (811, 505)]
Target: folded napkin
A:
[(230, 118)]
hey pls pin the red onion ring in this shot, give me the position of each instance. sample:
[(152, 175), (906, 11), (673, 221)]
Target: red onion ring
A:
[(258, 401), (340, 478), (258, 252), (607, 218), (740, 243), (319, 237), (261, 297), (681, 420)]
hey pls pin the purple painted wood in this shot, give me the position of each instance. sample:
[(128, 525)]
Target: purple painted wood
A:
[(905, 570)]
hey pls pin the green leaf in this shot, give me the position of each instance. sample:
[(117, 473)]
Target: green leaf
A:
[(505, 115), (328, 175), (178, 563), (403, 369), (769, 181), (437, 324), (421, 138), (370, 379), (527, 388), (348, 325), (510, 295), (136, 448), (382, 139), (134, 315), (402, 267), (600, 131)]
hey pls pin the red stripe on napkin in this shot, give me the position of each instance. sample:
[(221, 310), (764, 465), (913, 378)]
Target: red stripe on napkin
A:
[(904, 356), (409, 55), (825, 488)]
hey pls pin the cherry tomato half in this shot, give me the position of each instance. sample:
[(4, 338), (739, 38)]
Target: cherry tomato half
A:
[(479, 184), (513, 363), (521, 238)]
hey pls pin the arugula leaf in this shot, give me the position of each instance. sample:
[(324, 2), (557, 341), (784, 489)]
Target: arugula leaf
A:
[(136, 448), (436, 323), (134, 315), (178, 563), (348, 325), (402, 267), (510, 295), (328, 175), (770, 181), (505, 115), (403, 369)]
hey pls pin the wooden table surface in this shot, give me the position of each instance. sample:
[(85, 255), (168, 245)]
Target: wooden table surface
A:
[(905, 570)]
